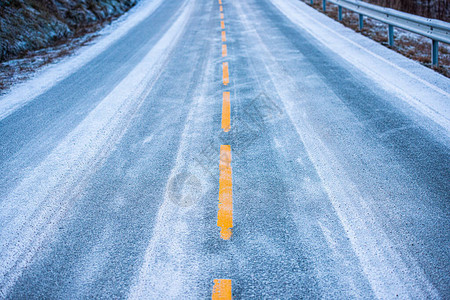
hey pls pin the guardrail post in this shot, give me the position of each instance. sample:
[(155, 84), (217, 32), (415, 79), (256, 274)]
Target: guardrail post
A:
[(391, 35), (435, 30), (434, 53)]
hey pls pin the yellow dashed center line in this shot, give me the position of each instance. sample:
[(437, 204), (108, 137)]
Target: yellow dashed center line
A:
[(226, 79), (225, 213), (221, 289), (226, 112)]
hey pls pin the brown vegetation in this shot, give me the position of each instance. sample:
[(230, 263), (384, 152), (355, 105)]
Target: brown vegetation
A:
[(434, 9), (410, 45)]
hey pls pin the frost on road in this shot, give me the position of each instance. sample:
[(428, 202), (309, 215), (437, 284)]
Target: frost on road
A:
[(223, 148)]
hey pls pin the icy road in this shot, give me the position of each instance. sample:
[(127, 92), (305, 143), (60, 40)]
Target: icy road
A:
[(226, 148)]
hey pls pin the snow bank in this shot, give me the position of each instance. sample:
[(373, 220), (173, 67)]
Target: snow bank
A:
[(425, 90), (43, 80)]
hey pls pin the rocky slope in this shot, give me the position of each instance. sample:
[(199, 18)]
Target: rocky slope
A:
[(28, 25)]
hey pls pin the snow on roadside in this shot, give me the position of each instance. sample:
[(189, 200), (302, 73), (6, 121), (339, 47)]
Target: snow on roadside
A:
[(18, 70), (411, 45), (423, 89), (48, 76)]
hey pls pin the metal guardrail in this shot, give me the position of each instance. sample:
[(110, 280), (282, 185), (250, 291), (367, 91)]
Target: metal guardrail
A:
[(436, 30)]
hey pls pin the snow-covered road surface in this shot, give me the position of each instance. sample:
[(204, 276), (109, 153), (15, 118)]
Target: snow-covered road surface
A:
[(339, 165)]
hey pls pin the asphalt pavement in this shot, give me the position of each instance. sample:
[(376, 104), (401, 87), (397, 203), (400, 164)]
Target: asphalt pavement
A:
[(218, 149)]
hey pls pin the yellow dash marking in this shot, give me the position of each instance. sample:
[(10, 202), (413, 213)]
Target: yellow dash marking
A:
[(226, 111), (221, 15), (226, 79), (224, 50), (222, 24), (221, 8), (225, 213), (220, 2), (224, 38), (221, 289)]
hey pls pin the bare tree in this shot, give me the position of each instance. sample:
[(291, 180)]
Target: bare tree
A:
[(435, 9)]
